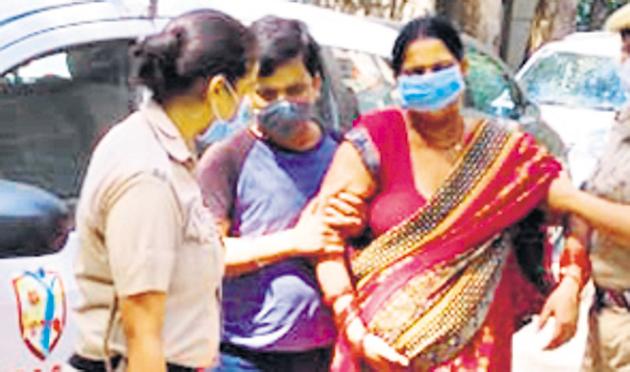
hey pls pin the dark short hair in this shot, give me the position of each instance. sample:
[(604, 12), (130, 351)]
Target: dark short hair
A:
[(281, 40), (198, 44), (426, 27)]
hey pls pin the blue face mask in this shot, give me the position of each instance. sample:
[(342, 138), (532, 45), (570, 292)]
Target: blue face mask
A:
[(282, 119), (222, 129), (431, 91)]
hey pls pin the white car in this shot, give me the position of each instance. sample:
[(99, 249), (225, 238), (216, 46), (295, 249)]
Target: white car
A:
[(575, 83), (64, 80)]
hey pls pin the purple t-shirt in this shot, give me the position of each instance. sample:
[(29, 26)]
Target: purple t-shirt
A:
[(262, 189)]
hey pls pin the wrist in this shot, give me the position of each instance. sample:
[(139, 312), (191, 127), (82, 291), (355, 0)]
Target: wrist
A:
[(573, 275), (575, 265), (290, 240), (355, 332)]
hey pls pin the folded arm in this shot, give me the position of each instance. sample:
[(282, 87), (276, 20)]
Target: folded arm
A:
[(348, 175)]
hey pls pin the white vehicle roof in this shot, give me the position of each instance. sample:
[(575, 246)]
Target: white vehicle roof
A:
[(327, 26), (31, 27), (597, 43)]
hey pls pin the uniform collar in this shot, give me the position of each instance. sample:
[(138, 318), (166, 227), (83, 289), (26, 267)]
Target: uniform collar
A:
[(167, 133)]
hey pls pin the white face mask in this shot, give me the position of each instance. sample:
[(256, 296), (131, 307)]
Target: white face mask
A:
[(624, 74)]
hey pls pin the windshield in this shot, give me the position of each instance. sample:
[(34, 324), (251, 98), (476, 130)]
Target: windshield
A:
[(575, 80)]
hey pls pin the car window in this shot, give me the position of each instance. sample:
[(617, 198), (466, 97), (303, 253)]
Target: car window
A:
[(490, 88), (361, 82), (54, 108), (575, 80)]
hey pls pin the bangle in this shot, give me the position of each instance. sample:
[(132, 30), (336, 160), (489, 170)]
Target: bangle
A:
[(346, 317), (342, 303), (330, 301), (357, 342), (363, 338), (575, 262)]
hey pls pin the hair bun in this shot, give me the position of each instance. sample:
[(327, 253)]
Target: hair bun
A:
[(164, 46), (157, 57), (198, 44)]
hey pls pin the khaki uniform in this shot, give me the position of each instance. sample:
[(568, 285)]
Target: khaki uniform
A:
[(608, 346), (142, 227)]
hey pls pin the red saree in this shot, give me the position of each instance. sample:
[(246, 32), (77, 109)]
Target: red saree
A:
[(441, 286)]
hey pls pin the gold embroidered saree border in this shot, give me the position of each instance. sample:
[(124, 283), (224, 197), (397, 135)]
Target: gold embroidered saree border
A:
[(446, 327), (410, 298), (490, 143), (439, 328), (408, 303)]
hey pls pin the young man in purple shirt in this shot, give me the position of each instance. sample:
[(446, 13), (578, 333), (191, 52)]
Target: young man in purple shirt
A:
[(257, 183)]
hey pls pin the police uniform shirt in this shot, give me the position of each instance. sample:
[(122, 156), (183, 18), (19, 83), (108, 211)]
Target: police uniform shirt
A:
[(142, 227)]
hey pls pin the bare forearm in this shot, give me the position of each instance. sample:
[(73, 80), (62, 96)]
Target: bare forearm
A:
[(244, 255), (145, 354), (143, 318), (609, 217)]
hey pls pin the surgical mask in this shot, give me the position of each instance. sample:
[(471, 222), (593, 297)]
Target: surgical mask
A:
[(431, 91), (282, 119), (222, 129), (624, 75)]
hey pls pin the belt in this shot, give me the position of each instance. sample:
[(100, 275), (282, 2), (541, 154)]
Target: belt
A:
[(85, 364), (612, 298)]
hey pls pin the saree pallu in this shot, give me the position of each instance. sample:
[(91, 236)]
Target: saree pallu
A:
[(426, 285)]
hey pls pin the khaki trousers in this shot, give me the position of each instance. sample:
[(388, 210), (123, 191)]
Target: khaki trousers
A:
[(608, 345)]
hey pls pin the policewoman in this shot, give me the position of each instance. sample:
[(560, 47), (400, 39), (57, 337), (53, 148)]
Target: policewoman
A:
[(150, 264)]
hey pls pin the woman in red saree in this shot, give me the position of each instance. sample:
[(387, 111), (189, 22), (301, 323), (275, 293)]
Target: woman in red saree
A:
[(439, 286)]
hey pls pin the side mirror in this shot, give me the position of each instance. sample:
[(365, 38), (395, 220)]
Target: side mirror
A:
[(33, 222)]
